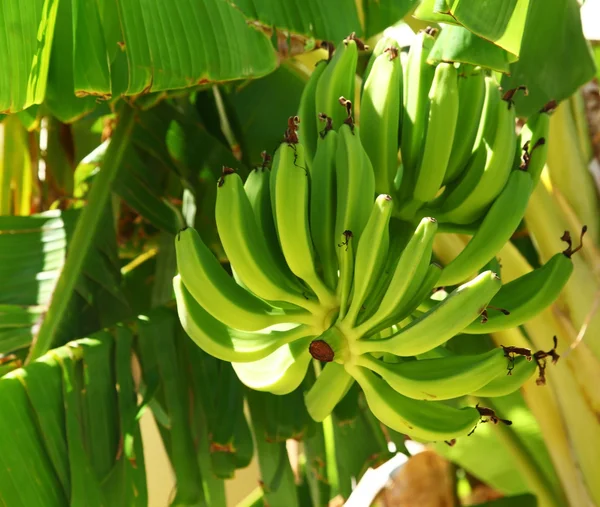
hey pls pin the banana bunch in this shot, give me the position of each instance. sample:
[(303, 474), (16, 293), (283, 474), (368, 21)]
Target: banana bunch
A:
[(330, 247)]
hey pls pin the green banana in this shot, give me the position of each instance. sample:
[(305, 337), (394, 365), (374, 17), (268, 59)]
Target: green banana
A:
[(419, 247), (346, 262), (471, 95), (441, 378), (257, 187), (248, 251), (498, 225), (397, 243), (420, 288), (439, 136), (224, 342), (280, 372), (417, 83), (219, 295), (355, 183), (520, 372), (497, 135), (534, 135), (292, 212), (424, 420), (307, 112), (370, 254), (330, 387), (337, 80), (322, 206), (439, 324), (380, 117), (523, 298), (458, 191), (378, 50)]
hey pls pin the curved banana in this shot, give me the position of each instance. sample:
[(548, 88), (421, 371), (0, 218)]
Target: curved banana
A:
[(346, 262), (441, 323), (219, 295), (330, 387), (380, 117), (523, 298), (439, 132), (224, 342), (292, 212), (417, 83), (461, 188), (378, 50), (323, 206), (280, 372), (308, 114), (355, 183), (257, 187), (497, 134), (419, 247), (534, 135), (498, 225), (420, 288), (337, 80), (424, 420), (505, 383), (247, 249), (471, 94), (441, 378), (370, 255)]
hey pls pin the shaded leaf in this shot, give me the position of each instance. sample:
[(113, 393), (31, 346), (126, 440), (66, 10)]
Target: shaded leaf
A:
[(457, 44), (383, 13), (555, 59), (314, 18), (500, 22), (25, 49)]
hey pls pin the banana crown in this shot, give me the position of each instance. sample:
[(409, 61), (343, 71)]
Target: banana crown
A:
[(331, 246)]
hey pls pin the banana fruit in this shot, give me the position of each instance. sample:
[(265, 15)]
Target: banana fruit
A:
[(331, 249)]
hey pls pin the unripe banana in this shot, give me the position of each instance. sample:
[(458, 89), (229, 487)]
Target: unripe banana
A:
[(497, 135), (330, 387), (355, 183), (471, 94), (534, 135), (370, 254), (523, 298), (380, 47), (505, 383), (420, 288), (257, 187), (307, 112), (417, 83), (246, 248), (441, 125), (419, 247), (442, 322), (498, 225), (224, 342), (323, 206), (337, 80), (291, 199), (280, 372), (219, 295), (424, 420), (380, 117), (441, 378), (346, 262)]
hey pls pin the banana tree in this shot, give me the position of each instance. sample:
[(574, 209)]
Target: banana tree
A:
[(113, 148)]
